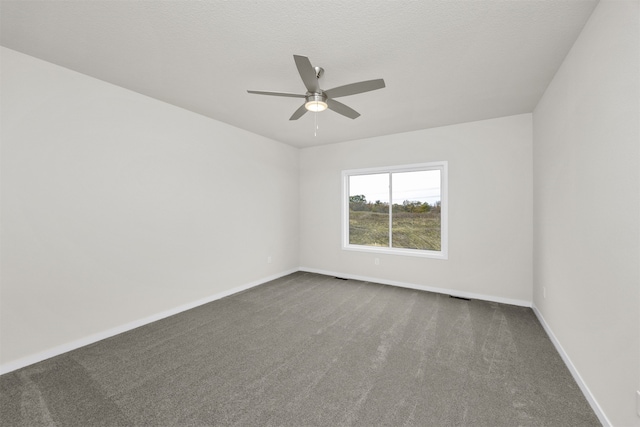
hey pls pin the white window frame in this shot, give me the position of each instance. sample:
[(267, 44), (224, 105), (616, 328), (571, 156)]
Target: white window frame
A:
[(442, 166)]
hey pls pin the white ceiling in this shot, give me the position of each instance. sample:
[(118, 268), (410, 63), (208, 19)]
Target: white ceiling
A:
[(443, 62)]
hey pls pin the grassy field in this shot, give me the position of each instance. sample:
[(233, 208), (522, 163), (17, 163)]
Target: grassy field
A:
[(410, 230)]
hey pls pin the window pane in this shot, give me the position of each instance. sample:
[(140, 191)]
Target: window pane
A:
[(416, 210), (369, 210)]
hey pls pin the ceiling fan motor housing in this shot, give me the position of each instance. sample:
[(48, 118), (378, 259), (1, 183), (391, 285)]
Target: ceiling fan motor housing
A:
[(316, 97)]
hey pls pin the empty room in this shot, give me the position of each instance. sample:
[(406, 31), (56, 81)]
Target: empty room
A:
[(330, 213)]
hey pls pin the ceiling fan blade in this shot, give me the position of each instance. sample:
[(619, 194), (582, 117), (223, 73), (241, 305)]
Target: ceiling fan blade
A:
[(261, 92), (307, 72), (298, 113), (354, 88), (340, 108)]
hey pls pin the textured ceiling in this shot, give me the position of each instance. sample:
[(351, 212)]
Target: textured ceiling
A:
[(443, 62)]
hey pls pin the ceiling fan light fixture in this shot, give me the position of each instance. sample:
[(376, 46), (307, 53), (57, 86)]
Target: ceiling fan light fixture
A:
[(316, 103)]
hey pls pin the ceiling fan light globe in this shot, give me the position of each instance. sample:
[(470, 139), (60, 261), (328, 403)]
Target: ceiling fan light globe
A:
[(315, 106)]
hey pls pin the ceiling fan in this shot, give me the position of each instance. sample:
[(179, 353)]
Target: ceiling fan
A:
[(316, 99)]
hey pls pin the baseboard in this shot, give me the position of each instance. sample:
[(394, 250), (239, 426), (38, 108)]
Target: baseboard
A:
[(574, 372), (64, 348), (456, 293)]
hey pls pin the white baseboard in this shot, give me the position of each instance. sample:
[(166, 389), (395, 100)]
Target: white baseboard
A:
[(483, 297), (574, 372), (55, 351)]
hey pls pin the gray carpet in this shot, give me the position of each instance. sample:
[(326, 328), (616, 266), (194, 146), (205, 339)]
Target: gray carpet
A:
[(310, 350)]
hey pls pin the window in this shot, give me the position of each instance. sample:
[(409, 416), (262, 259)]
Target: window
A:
[(397, 210)]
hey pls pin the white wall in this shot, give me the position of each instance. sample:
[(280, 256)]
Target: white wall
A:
[(490, 212), (587, 210), (116, 207)]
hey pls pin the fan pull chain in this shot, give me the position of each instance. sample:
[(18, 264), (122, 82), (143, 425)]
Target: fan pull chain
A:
[(315, 120)]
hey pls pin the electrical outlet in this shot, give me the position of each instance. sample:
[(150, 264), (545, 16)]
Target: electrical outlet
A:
[(638, 402), (544, 292), (269, 259), (376, 261)]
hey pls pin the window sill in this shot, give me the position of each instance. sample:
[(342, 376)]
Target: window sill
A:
[(397, 251)]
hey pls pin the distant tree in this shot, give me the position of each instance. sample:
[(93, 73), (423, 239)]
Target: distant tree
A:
[(412, 206), (358, 202), (380, 207)]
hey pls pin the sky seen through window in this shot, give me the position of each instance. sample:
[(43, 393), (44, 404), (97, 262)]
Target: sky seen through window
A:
[(421, 186)]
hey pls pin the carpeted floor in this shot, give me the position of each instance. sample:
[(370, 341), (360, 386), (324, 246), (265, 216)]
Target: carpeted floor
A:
[(310, 350)]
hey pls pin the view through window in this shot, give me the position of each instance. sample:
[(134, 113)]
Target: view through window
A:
[(397, 210)]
